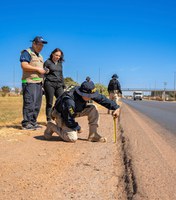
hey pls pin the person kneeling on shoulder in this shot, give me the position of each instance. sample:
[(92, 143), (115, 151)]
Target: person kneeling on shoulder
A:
[(72, 104)]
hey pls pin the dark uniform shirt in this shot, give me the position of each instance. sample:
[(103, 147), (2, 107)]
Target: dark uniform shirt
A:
[(70, 103), (26, 57)]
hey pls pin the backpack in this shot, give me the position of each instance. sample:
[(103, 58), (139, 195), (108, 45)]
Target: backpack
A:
[(113, 85)]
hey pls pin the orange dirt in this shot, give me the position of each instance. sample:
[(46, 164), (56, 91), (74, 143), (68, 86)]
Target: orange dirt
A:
[(141, 165)]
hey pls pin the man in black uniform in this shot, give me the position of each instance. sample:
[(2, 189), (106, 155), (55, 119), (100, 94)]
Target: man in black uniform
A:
[(114, 84), (73, 104), (114, 89)]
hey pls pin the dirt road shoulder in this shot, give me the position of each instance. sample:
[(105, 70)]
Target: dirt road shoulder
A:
[(33, 168)]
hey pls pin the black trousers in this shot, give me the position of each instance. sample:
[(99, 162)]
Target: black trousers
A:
[(51, 89), (32, 99)]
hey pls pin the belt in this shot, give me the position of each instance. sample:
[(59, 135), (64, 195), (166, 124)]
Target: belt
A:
[(34, 79)]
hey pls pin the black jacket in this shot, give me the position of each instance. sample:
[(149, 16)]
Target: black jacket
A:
[(114, 85), (70, 103), (55, 72)]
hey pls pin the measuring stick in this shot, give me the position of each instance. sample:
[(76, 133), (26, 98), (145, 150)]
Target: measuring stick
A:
[(115, 129)]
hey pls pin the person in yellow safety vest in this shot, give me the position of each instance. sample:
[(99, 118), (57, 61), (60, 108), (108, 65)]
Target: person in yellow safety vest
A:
[(32, 78)]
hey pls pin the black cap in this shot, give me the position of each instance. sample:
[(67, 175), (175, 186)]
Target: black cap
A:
[(87, 89), (87, 78), (115, 76), (38, 39)]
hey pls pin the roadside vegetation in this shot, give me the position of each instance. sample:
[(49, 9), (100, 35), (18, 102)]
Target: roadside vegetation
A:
[(11, 103), (11, 110)]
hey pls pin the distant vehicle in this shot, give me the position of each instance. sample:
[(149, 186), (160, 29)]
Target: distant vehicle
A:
[(137, 95)]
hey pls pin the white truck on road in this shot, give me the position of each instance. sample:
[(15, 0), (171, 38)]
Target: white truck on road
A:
[(137, 95)]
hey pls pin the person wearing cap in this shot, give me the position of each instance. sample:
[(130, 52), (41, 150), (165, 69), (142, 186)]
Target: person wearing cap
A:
[(114, 89), (88, 79), (53, 81), (73, 104), (32, 77)]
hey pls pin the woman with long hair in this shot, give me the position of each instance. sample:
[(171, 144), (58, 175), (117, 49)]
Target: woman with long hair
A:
[(54, 81)]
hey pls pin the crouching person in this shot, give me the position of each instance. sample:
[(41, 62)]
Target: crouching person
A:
[(72, 104)]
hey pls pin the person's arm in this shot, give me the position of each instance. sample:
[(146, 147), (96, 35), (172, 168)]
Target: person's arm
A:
[(109, 86), (29, 68), (119, 87), (107, 103), (61, 77), (46, 67), (68, 114)]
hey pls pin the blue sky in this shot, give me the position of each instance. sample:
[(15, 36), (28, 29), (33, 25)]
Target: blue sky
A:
[(135, 39)]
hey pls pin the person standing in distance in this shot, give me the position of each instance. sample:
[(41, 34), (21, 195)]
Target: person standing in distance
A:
[(88, 79), (53, 81), (32, 77), (114, 89)]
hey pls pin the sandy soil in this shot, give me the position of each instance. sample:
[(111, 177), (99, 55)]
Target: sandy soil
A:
[(140, 165)]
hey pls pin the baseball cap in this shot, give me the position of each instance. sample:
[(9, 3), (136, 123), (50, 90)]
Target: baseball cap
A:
[(87, 78), (87, 89), (115, 76), (39, 39)]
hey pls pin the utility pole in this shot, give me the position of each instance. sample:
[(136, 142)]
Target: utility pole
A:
[(165, 83), (155, 91), (14, 76), (174, 86)]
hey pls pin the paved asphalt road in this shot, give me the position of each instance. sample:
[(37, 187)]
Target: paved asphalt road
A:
[(164, 113)]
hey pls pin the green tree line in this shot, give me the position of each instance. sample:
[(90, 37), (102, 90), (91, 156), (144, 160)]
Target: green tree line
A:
[(68, 82)]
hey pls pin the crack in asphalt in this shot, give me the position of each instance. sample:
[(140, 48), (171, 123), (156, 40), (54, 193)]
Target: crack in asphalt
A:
[(129, 176)]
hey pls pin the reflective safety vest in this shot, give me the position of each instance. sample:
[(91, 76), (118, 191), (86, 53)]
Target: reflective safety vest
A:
[(33, 76)]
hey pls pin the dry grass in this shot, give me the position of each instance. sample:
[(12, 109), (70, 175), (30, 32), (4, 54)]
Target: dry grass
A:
[(11, 110)]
